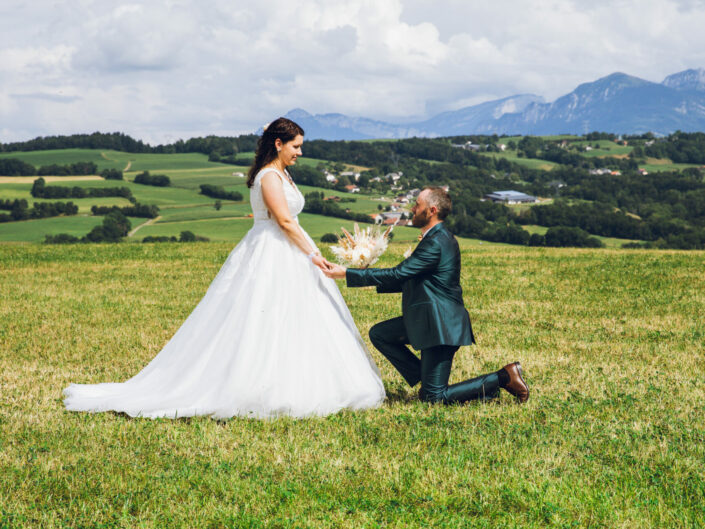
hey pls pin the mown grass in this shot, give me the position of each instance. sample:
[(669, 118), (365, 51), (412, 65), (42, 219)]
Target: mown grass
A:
[(531, 163), (104, 159), (612, 436), (606, 149), (659, 165)]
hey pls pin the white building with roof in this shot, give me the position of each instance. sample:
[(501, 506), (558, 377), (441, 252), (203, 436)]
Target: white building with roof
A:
[(511, 197)]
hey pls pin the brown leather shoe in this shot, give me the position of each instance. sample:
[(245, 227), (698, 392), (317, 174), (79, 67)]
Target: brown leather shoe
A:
[(516, 385)]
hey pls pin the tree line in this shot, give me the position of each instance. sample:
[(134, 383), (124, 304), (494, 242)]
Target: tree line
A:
[(214, 191), (118, 141), (15, 167), (148, 211), (19, 210), (41, 190)]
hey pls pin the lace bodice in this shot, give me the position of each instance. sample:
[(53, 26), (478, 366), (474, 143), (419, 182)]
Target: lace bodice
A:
[(294, 198)]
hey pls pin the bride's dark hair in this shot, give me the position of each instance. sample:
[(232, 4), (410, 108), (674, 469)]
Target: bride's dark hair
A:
[(281, 128)]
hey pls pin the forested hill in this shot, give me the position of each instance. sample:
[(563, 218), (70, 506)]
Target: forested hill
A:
[(119, 141), (640, 188)]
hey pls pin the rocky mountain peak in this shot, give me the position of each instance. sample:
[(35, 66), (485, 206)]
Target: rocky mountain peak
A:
[(693, 79)]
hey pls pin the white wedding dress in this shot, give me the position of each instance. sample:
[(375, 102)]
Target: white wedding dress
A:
[(272, 336)]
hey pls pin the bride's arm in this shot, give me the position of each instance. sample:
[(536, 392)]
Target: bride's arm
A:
[(274, 199)]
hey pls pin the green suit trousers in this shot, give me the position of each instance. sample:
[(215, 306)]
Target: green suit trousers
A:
[(432, 369)]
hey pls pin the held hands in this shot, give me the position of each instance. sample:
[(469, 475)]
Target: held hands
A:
[(335, 271), (321, 262), (330, 269)]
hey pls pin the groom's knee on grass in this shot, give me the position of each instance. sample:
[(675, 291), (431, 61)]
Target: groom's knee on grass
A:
[(376, 334), (431, 396)]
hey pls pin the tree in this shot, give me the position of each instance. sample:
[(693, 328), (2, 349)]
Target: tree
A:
[(112, 174), (329, 238), (158, 180), (217, 205), (115, 226), (187, 236)]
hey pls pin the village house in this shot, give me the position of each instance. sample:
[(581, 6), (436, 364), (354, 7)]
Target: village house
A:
[(468, 146), (600, 171), (394, 177), (351, 174), (240, 175), (394, 219), (352, 189)]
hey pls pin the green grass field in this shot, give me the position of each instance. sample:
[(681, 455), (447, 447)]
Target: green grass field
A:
[(104, 159), (656, 165), (612, 436), (606, 148), (531, 163)]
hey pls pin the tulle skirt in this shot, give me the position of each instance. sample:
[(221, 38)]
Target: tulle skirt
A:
[(272, 336)]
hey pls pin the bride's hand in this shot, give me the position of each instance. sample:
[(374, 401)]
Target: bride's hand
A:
[(321, 262), (335, 271)]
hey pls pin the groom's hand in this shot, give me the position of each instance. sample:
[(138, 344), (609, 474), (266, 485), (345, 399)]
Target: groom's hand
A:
[(335, 271)]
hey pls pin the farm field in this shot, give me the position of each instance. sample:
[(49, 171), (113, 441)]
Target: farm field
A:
[(531, 163), (655, 165), (612, 436), (605, 148), (181, 204)]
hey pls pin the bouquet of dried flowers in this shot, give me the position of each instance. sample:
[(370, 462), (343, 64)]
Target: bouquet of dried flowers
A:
[(363, 248)]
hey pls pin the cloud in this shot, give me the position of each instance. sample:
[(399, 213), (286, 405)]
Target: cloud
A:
[(58, 98), (135, 37), (166, 69)]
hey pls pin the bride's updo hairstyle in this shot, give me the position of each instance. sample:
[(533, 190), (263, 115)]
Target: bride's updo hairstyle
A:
[(282, 129)]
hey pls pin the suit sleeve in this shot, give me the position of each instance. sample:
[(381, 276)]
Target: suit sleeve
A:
[(423, 260)]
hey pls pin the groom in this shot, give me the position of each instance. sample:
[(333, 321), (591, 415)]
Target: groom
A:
[(434, 319)]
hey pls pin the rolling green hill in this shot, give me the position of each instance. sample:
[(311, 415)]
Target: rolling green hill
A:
[(182, 206)]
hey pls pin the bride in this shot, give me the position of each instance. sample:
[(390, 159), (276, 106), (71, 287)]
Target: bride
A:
[(272, 336)]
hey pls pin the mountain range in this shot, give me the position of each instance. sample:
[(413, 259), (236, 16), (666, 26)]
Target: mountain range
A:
[(618, 103)]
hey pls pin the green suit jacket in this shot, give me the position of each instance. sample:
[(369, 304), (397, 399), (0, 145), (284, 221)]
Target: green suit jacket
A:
[(432, 299)]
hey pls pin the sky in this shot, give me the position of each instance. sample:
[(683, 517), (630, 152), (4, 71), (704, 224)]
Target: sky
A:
[(168, 69)]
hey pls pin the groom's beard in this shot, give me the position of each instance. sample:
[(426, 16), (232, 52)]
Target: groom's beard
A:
[(420, 220)]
